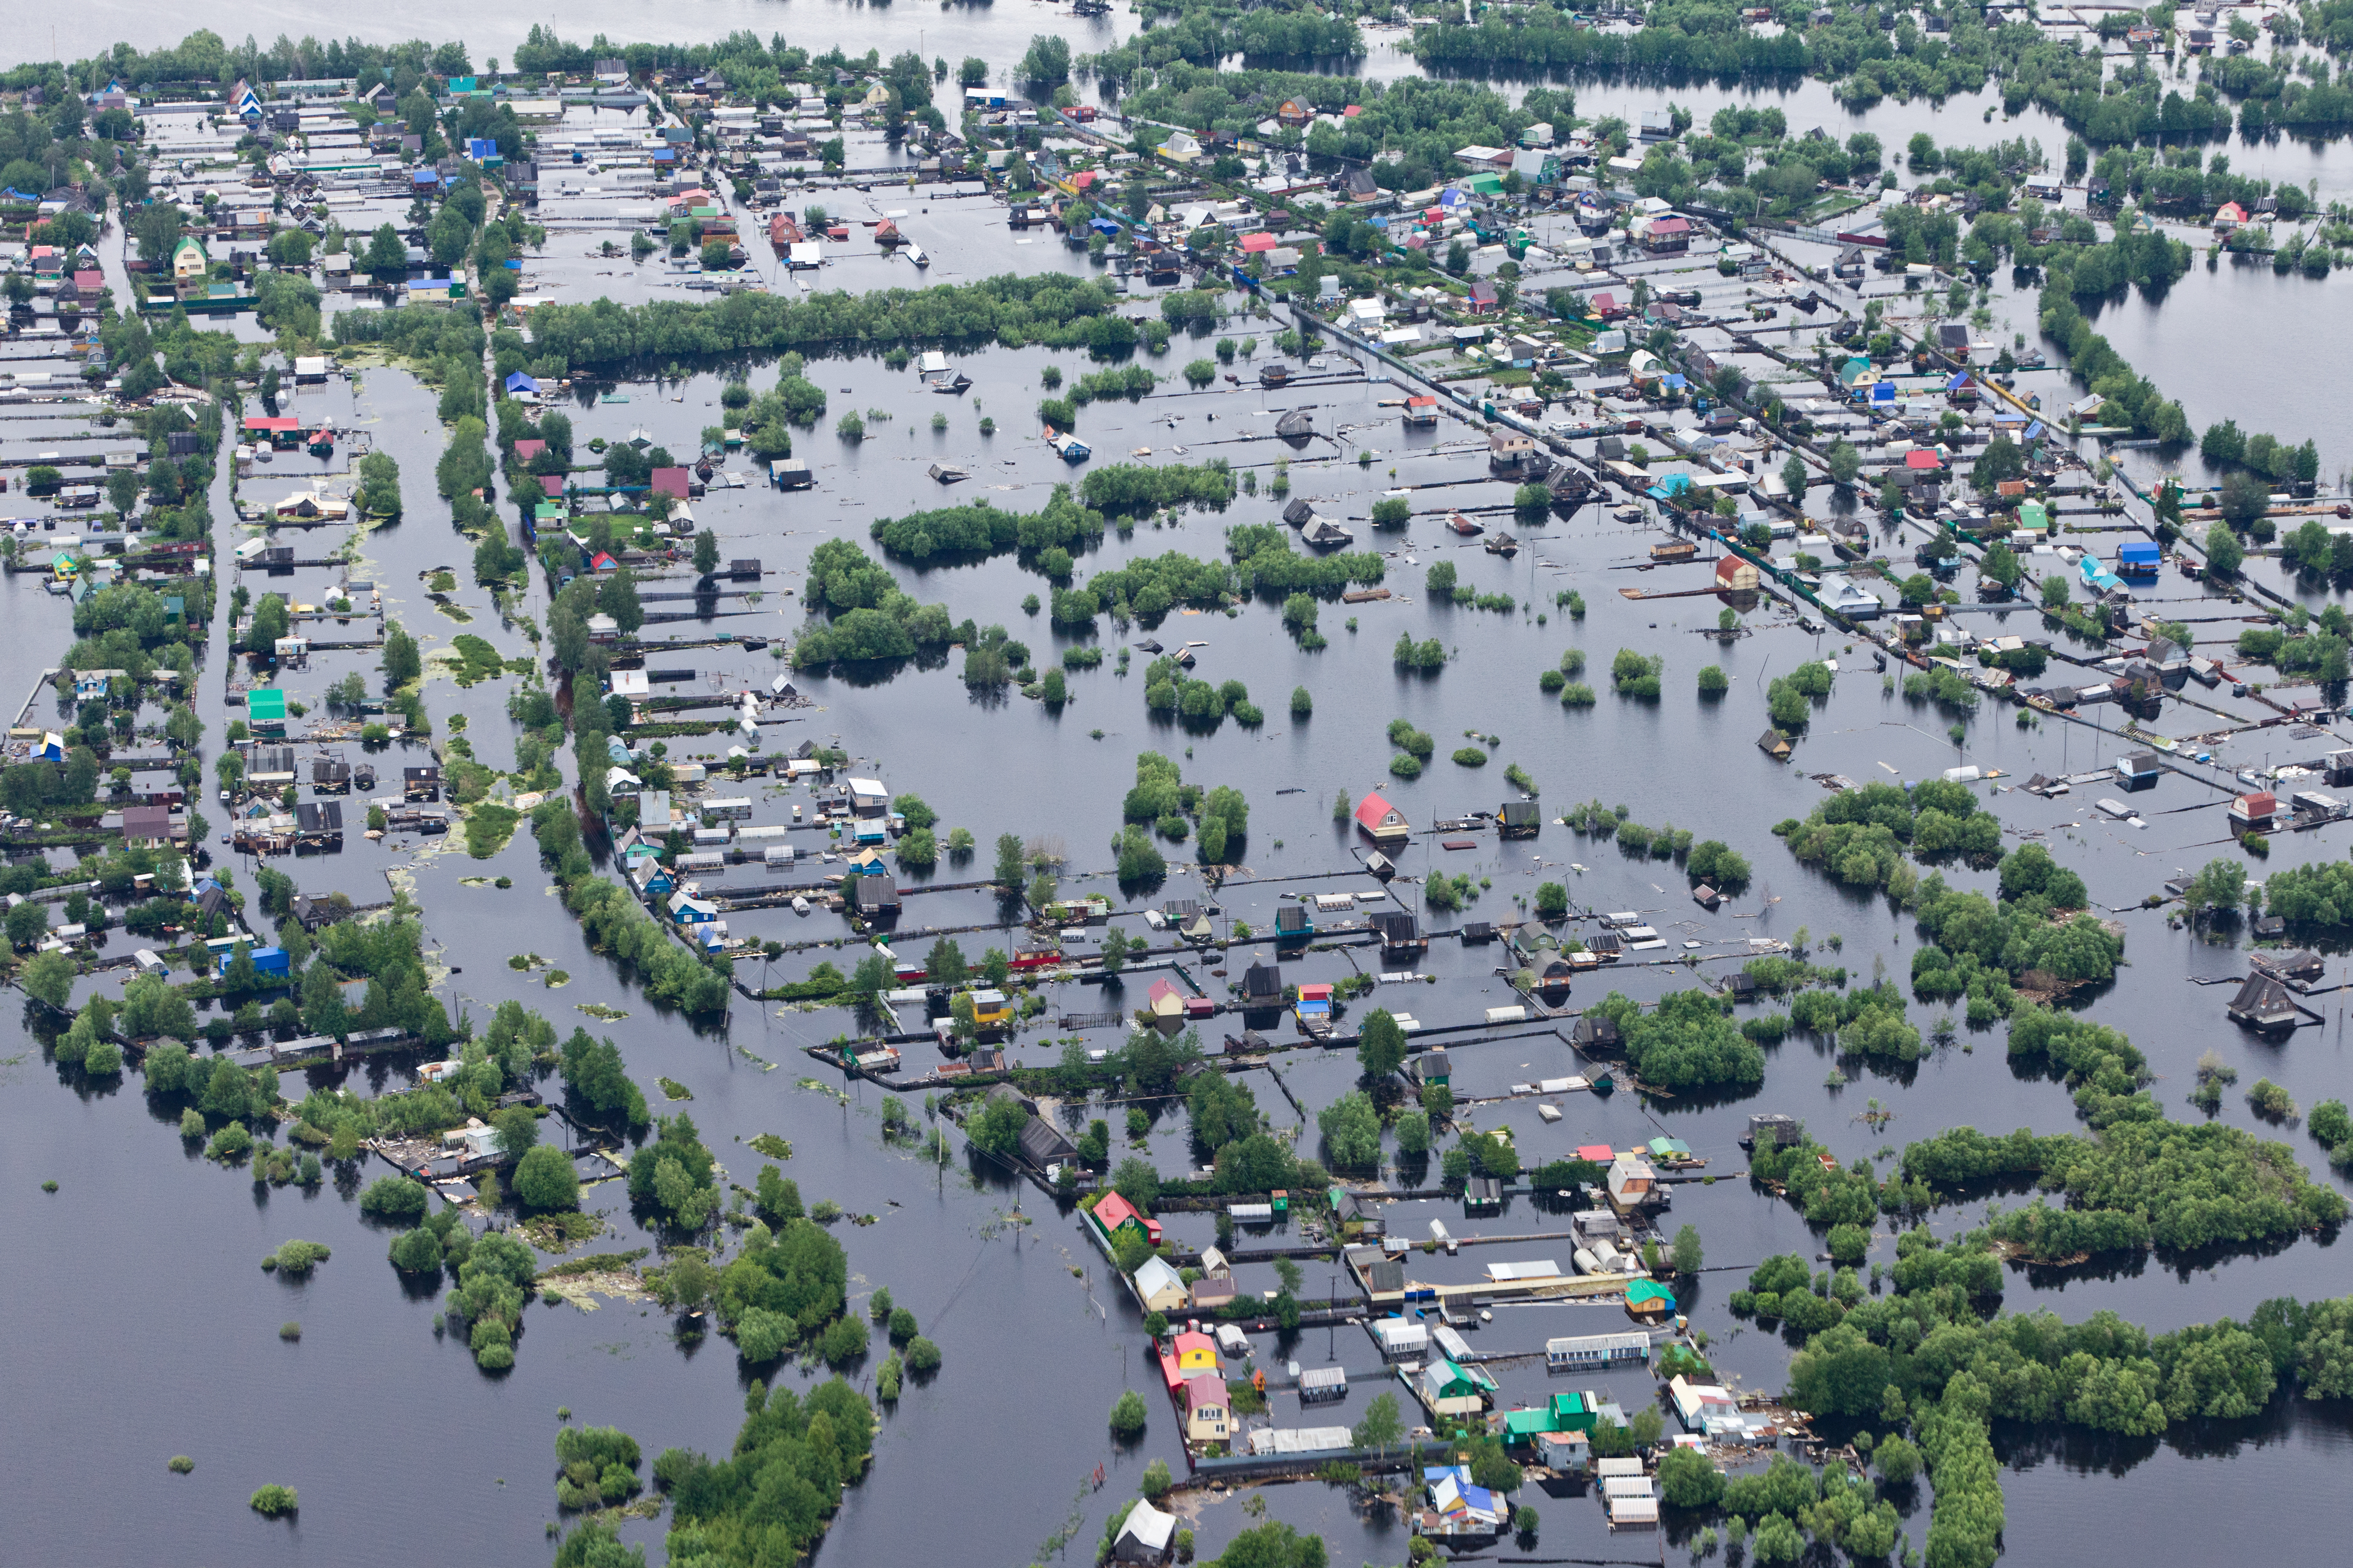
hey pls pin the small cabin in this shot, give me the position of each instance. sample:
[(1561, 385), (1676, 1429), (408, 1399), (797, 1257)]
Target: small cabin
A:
[(1380, 821)]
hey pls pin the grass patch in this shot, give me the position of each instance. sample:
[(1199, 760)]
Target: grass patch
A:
[(773, 1147), (675, 1090), (598, 1011), (476, 659), (489, 826), (560, 1233), (596, 1263)]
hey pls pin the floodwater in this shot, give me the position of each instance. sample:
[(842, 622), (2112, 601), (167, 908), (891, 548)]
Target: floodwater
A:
[(147, 1330)]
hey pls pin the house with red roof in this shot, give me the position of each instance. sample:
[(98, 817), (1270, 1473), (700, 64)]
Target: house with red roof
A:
[(1206, 1415), (1380, 821), (675, 483), (1196, 1354), (1113, 1214)]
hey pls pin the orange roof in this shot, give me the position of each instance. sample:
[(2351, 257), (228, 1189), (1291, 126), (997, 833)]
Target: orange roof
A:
[(1169, 1373), (1424, 401)]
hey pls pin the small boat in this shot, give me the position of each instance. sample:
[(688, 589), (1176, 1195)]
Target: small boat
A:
[(1463, 525), (1502, 544)]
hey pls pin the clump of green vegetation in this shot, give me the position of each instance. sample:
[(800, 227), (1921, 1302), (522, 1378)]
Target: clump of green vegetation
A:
[(295, 1260), (290, 1332), (1633, 675), (600, 1467), (272, 1500), (674, 1090), (179, 1465)]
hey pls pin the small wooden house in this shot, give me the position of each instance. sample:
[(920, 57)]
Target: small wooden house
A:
[(1380, 821), (2262, 1003)]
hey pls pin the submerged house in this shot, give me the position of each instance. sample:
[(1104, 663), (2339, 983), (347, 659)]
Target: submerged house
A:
[(1451, 1390), (2262, 1003), (1399, 933), (1380, 821), (1113, 1214)]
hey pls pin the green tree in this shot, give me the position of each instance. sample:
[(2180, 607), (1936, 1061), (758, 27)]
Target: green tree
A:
[(49, 977), (1382, 1428), (1689, 1479), (1380, 1044), (997, 1130), (1010, 863), (545, 1180), (1794, 474), (2223, 551), (402, 661), (1687, 1251)]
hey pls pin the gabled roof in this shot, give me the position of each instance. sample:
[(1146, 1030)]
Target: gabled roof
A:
[(1112, 1211), (1375, 812)]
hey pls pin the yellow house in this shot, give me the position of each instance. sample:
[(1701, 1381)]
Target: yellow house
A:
[(1196, 1352), (1207, 1419), (189, 262), (991, 1008)]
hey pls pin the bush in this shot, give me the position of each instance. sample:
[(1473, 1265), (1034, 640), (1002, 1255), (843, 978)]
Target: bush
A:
[(1689, 1479), (544, 1180), (1632, 674), (395, 1198), (295, 1260), (1127, 1417), (272, 1500)]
